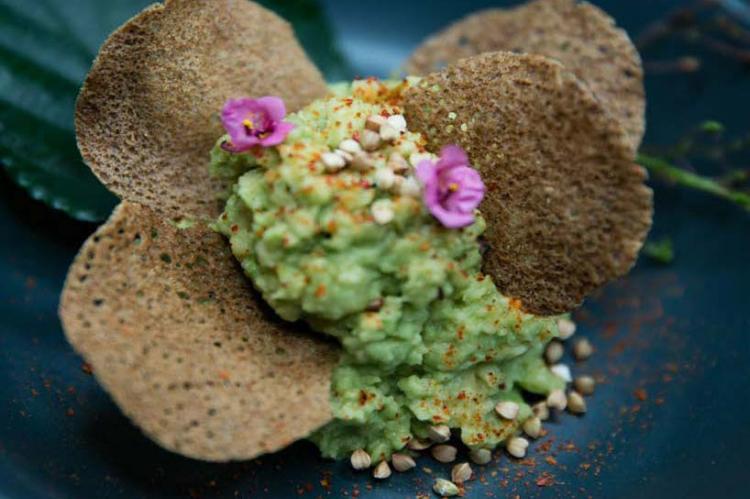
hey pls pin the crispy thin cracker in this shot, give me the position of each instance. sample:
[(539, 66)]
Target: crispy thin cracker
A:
[(148, 113), (567, 208), (578, 34), (176, 335)]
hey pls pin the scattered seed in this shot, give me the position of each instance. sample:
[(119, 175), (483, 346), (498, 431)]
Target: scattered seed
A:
[(533, 427), (461, 473), (584, 385), (385, 178), (402, 462), (418, 157), (397, 121), (582, 349), (333, 161), (517, 446), (347, 156), (398, 181), (562, 371), (417, 444), (554, 352), (351, 146), (382, 211), (444, 453), (507, 409), (370, 140), (480, 456), (541, 410), (557, 400), (374, 122), (576, 404), (440, 433), (382, 470), (445, 488), (567, 328), (397, 163), (360, 459), (362, 162), (410, 187), (388, 133)]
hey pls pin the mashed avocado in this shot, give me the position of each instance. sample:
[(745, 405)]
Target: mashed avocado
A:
[(427, 338)]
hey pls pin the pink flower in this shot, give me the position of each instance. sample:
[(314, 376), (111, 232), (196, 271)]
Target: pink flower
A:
[(252, 122), (452, 188)]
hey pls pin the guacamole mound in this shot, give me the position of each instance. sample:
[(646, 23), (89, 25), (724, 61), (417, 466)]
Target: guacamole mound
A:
[(427, 338)]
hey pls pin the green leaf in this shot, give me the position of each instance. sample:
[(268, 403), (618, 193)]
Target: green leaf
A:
[(46, 49), (692, 180), (315, 35)]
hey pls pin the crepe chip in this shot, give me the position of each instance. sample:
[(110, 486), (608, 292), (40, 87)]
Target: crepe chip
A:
[(148, 113), (177, 336), (579, 35), (566, 206)]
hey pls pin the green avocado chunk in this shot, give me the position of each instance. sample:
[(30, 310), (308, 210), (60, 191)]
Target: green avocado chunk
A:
[(427, 338)]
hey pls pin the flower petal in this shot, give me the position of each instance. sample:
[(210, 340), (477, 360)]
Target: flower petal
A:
[(425, 171), (242, 143), (274, 106), (452, 219), (281, 130), (470, 189), (233, 116), (176, 335), (452, 156), (234, 111)]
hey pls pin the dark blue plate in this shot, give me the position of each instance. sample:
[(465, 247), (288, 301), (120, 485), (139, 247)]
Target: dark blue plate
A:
[(673, 342)]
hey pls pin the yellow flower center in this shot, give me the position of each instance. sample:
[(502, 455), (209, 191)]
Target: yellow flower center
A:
[(453, 187)]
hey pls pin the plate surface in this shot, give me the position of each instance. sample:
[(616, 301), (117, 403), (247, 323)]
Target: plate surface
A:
[(672, 345)]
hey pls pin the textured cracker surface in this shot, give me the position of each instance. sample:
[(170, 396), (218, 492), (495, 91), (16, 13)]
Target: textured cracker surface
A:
[(148, 113), (579, 35), (566, 206), (175, 334)]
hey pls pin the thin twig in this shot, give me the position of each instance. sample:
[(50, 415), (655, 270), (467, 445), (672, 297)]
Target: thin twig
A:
[(685, 20), (677, 19), (693, 180), (687, 64), (734, 178), (725, 49), (732, 29)]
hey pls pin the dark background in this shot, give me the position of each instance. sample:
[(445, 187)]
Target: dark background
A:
[(669, 420)]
